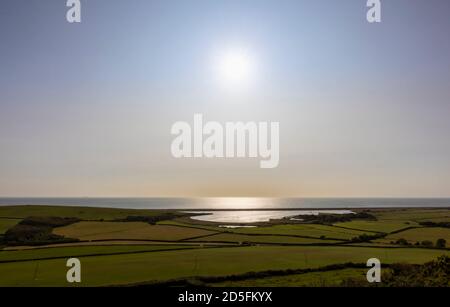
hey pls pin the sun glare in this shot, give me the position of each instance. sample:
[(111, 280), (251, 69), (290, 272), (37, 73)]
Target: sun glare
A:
[(235, 68)]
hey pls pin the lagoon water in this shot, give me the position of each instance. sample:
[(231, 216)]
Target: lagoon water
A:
[(232, 203), (252, 216)]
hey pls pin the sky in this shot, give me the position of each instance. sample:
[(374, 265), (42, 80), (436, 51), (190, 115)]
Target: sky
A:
[(86, 108)]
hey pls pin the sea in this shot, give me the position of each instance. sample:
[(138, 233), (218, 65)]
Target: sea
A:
[(232, 203)]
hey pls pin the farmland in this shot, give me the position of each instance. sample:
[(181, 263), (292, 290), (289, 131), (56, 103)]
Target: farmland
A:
[(132, 230), (125, 246), (159, 266), (5, 224), (421, 234)]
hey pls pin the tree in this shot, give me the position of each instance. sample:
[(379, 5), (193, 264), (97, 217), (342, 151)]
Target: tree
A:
[(441, 243), (402, 241), (427, 243)]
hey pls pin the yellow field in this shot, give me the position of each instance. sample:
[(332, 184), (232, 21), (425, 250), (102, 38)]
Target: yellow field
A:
[(128, 231)]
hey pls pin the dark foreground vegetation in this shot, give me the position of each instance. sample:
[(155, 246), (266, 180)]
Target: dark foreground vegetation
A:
[(208, 280), (38, 230), (436, 224), (152, 220), (440, 243), (328, 219), (431, 274)]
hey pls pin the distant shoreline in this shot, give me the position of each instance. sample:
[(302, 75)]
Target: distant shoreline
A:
[(236, 209), (230, 204)]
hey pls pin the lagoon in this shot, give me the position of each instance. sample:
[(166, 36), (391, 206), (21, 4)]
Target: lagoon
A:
[(256, 216)]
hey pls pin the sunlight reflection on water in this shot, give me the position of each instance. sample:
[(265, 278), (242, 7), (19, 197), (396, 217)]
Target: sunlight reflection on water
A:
[(251, 216)]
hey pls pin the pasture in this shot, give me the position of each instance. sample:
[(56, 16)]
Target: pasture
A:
[(165, 265), (116, 251), (128, 231), (6, 223), (331, 278), (307, 230), (421, 234), (240, 239)]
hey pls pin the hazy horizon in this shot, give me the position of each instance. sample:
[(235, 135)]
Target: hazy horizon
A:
[(86, 109)]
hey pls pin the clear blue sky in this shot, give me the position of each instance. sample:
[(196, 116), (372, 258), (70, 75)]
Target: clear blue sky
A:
[(86, 109)]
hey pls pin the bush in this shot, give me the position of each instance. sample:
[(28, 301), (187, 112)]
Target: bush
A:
[(430, 274), (402, 242), (367, 238), (152, 220), (433, 224), (329, 219), (48, 221), (441, 243), (427, 243)]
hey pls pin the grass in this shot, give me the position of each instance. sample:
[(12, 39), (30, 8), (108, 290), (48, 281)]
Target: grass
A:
[(84, 213), (177, 222), (421, 234), (237, 238), (314, 279), (5, 224), (411, 214), (385, 226), (113, 243), (128, 231), (173, 249), (132, 268), (78, 251), (315, 231)]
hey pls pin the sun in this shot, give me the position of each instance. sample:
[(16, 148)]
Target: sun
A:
[(235, 67)]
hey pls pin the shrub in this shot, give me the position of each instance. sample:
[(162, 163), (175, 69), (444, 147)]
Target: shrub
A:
[(431, 274), (441, 243), (427, 243), (402, 241)]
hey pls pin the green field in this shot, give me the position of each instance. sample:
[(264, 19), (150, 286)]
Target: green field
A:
[(158, 266), (79, 251), (193, 224), (127, 231), (332, 278), (116, 252), (85, 213), (5, 224), (378, 226), (416, 215), (239, 239), (314, 231), (420, 234)]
